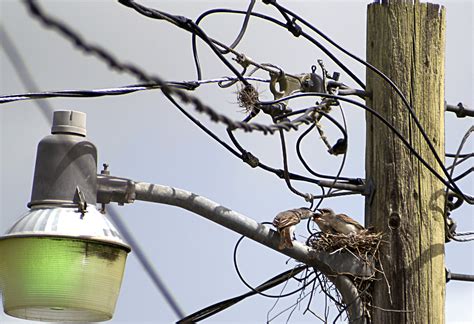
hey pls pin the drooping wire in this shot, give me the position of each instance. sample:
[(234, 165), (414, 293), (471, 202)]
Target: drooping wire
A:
[(202, 127), (461, 160), (449, 184), (448, 232), (244, 26), (253, 161), (346, 140), (386, 79), (255, 289), (285, 170), (145, 262), (285, 162), (103, 55), (464, 174), (186, 24), (469, 199), (303, 160), (22, 71), (220, 306), (283, 25)]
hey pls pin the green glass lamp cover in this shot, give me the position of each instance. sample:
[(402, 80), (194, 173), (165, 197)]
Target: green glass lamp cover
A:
[(50, 274)]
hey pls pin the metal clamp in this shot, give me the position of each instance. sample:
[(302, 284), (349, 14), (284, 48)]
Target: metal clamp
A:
[(114, 189)]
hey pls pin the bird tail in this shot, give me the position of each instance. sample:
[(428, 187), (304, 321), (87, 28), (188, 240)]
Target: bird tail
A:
[(286, 241)]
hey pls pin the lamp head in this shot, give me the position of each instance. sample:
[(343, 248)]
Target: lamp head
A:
[(63, 260)]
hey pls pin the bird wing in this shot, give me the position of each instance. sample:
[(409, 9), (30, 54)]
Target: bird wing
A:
[(349, 220), (285, 219), (323, 225)]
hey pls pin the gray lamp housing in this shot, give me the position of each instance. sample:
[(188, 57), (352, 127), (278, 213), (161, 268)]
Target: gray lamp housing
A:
[(63, 260), (66, 164)]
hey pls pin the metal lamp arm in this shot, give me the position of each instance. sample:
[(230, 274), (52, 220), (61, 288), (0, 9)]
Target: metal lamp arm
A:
[(335, 266)]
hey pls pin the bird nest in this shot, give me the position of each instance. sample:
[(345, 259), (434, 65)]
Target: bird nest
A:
[(247, 97), (364, 245)]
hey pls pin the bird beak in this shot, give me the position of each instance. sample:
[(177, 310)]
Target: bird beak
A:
[(317, 215)]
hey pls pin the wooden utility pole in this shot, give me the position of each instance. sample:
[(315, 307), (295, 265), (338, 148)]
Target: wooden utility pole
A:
[(405, 40)]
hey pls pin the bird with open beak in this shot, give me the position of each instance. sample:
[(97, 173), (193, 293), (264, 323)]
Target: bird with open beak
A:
[(330, 222), (286, 222)]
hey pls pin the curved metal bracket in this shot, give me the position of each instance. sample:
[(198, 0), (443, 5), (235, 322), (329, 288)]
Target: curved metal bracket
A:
[(337, 267)]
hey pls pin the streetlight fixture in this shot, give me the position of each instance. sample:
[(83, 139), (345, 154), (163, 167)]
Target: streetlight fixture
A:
[(63, 261)]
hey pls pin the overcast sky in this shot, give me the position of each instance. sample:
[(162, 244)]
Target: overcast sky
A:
[(143, 137)]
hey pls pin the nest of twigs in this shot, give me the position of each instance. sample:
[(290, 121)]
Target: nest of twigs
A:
[(247, 97), (364, 245)]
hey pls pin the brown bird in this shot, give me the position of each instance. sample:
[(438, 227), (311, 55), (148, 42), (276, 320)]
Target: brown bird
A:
[(286, 222), (336, 223), (323, 224)]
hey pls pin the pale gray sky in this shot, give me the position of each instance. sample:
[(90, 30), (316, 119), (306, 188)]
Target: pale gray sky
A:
[(143, 137)]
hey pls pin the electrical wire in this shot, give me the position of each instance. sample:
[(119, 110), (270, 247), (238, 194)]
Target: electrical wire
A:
[(244, 26), (220, 306), (145, 262), (103, 55), (256, 290), (283, 25), (447, 210), (186, 24), (186, 85), (453, 155), (180, 22), (461, 160), (307, 197), (346, 140), (464, 174), (22, 71), (250, 159), (303, 160), (244, 155), (469, 199), (452, 186), (386, 79)]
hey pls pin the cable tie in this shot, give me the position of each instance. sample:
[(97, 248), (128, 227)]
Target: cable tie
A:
[(294, 28), (250, 159), (356, 181), (191, 85)]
